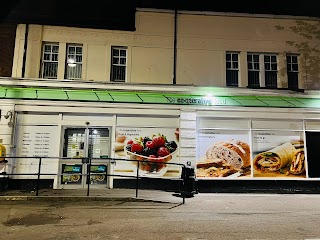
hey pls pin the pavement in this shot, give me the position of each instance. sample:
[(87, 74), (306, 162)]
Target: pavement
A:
[(206, 216), (101, 194)]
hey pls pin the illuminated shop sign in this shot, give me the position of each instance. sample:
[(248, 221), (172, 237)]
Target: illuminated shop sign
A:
[(198, 101)]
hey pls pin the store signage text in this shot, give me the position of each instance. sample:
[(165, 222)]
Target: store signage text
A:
[(198, 101)]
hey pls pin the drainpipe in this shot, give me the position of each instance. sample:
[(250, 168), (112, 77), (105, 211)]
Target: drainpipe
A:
[(25, 50), (175, 47)]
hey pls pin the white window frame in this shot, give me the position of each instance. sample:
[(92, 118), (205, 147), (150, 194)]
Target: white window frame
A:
[(271, 64), (253, 67), (291, 70), (262, 66), (74, 61), (291, 63), (117, 61), (232, 67), (44, 61)]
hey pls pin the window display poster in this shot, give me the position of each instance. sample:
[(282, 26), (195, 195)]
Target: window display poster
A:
[(151, 151), (71, 174), (98, 174), (223, 154), (278, 154)]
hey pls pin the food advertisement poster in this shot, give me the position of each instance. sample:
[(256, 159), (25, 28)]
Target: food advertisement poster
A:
[(223, 154), (71, 174), (98, 174), (150, 148), (278, 154)]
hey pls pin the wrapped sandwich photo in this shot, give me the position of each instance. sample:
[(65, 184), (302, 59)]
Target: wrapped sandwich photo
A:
[(298, 162), (274, 159)]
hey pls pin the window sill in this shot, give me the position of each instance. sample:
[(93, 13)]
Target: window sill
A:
[(291, 89)]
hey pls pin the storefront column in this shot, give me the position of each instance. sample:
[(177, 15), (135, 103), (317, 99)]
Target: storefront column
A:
[(187, 137)]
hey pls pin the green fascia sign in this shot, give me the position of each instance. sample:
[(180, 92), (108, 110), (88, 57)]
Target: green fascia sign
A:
[(89, 95)]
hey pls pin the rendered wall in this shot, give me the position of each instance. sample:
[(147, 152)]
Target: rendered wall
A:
[(201, 46)]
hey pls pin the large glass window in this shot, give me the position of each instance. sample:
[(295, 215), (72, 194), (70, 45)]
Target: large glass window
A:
[(79, 145), (49, 62), (118, 64)]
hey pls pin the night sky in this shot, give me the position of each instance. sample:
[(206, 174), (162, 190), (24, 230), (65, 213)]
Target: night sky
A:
[(120, 14)]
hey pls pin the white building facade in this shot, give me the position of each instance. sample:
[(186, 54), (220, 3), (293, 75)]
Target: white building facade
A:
[(207, 81)]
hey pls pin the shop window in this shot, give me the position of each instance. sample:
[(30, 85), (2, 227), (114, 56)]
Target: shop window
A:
[(232, 69), (292, 71), (118, 64), (73, 69), (49, 61)]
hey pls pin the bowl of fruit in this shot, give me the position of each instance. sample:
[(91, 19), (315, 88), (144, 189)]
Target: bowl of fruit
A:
[(152, 154)]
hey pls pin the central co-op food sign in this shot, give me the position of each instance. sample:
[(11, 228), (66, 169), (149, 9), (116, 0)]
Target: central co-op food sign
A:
[(198, 101)]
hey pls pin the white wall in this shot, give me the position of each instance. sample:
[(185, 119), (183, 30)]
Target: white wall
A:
[(202, 42)]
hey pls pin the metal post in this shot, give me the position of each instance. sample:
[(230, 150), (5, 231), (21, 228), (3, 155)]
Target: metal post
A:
[(184, 185), (88, 176), (38, 180), (137, 181)]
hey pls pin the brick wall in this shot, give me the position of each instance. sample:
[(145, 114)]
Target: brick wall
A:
[(7, 41)]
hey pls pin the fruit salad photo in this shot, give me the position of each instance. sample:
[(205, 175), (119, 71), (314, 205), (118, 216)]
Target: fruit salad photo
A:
[(153, 152)]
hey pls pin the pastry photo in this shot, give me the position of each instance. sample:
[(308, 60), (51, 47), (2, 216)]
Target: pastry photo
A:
[(226, 159)]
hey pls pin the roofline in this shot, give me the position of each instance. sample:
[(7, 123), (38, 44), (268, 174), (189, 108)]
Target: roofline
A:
[(228, 14)]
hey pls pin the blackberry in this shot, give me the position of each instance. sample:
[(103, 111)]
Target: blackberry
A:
[(128, 147), (172, 146), (146, 151), (154, 151)]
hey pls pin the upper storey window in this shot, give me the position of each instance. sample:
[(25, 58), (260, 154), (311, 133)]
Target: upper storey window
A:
[(49, 61), (73, 69), (232, 69), (292, 71), (118, 64)]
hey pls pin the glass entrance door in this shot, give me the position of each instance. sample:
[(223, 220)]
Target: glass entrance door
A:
[(84, 147)]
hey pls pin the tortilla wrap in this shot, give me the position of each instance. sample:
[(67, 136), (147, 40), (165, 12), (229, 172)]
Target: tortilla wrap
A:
[(274, 159), (298, 162)]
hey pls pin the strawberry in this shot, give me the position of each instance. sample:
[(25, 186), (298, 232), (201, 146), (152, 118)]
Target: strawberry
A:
[(163, 151), (150, 144), (159, 141), (136, 147)]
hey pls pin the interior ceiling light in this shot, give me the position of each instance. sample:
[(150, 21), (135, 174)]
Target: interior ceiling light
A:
[(71, 62)]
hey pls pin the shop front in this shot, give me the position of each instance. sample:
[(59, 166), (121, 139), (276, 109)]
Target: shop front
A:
[(247, 142)]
